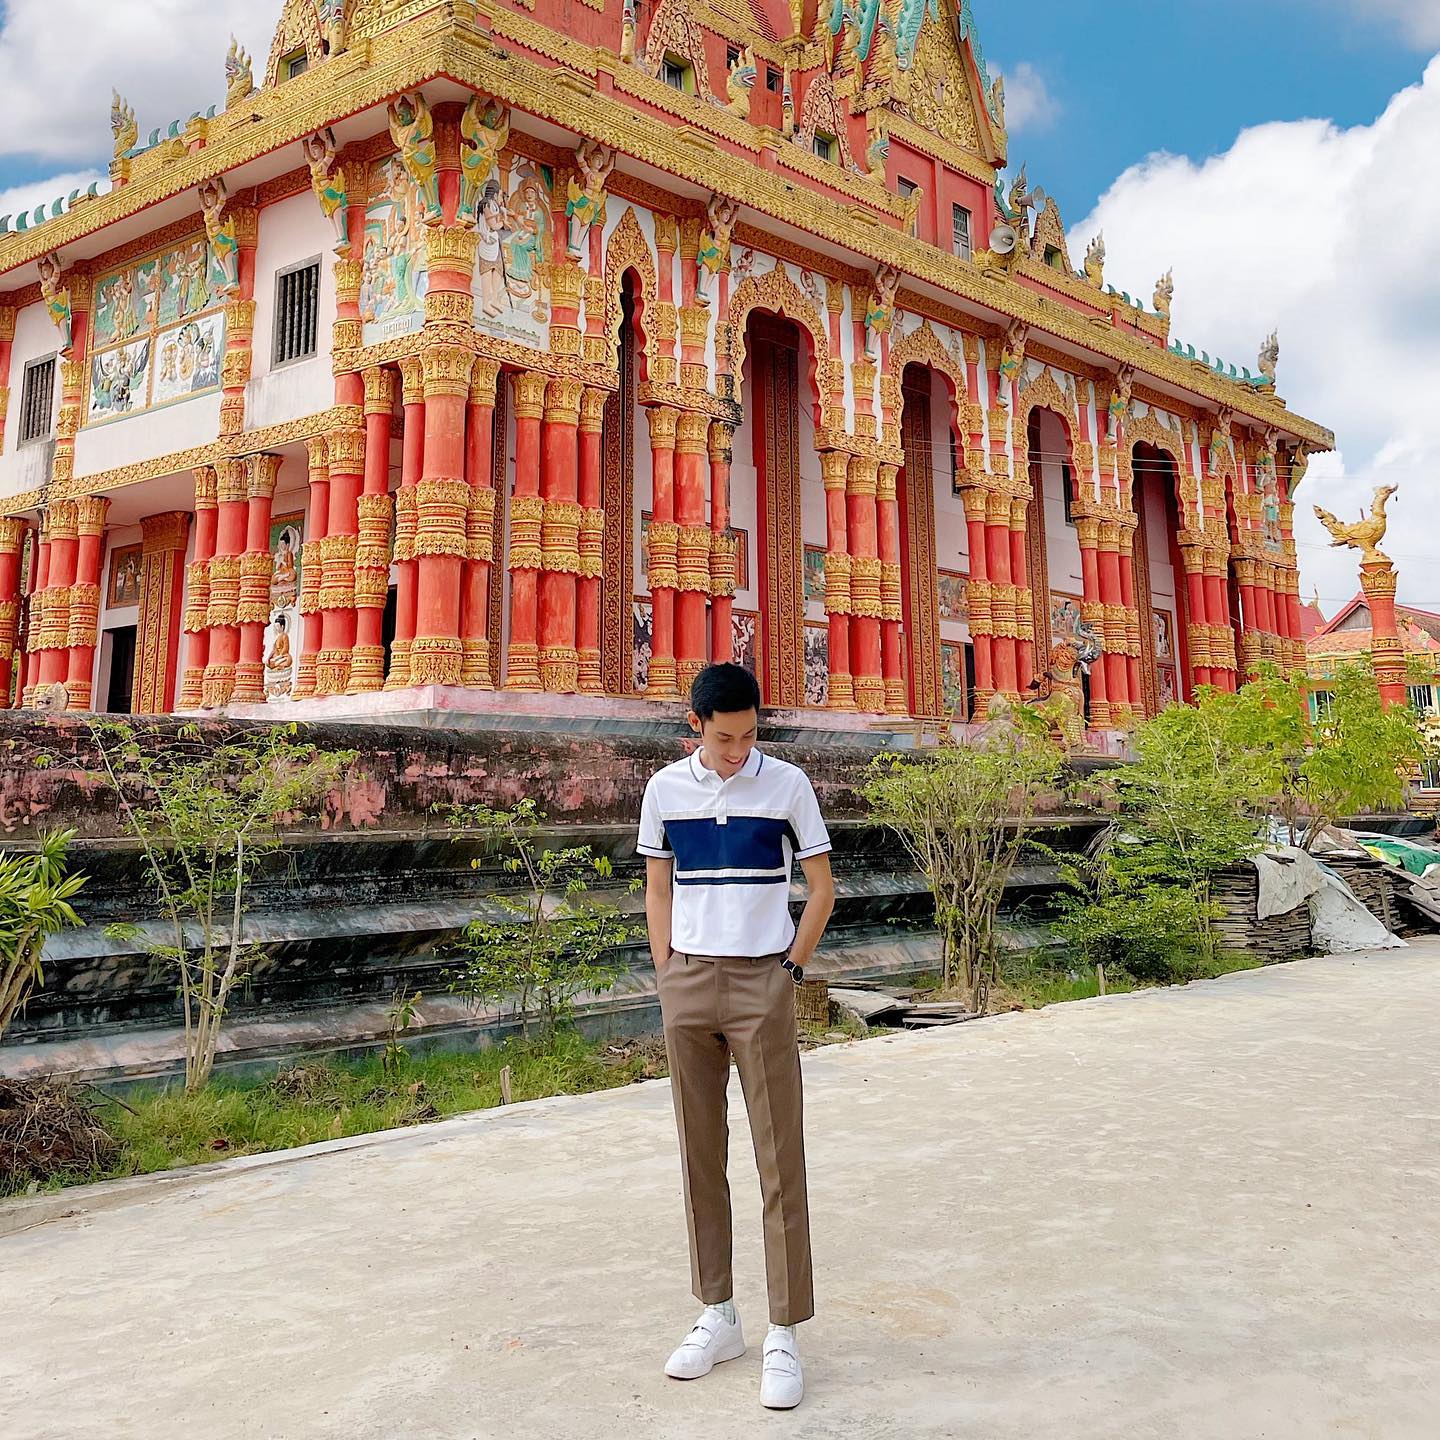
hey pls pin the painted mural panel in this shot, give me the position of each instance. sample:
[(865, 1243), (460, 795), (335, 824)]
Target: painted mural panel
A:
[(158, 332), (745, 628), (512, 296), (124, 586), (120, 381), (188, 358), (952, 677), (817, 662), (282, 634), (642, 620), (953, 594), (395, 272)]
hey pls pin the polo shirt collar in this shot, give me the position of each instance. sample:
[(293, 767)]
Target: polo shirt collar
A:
[(707, 776)]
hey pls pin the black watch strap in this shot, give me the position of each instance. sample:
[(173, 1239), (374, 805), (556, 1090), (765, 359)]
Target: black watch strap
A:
[(797, 972)]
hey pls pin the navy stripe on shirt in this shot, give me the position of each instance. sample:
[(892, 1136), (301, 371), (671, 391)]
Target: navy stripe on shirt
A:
[(745, 842)]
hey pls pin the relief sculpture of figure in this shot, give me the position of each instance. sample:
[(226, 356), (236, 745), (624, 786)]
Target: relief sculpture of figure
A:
[(484, 130), (224, 246), (56, 295), (586, 202), (714, 251), (413, 131), (1363, 535), (327, 179)]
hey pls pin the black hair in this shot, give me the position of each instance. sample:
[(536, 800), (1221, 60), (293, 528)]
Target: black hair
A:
[(724, 689)]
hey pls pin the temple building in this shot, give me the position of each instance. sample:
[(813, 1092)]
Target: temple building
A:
[(523, 356)]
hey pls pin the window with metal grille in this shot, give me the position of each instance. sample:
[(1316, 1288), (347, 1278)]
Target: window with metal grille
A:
[(960, 225), (677, 74), (297, 312), (37, 401)]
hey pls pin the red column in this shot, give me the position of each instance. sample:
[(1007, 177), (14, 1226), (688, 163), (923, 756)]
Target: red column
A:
[(527, 510), (342, 538), (372, 549), (1002, 592), (722, 545), (839, 579), (1198, 636), (592, 539), (863, 620), (39, 594), (240, 322), (1117, 677), (407, 519), (222, 613), (442, 510), (479, 527), (663, 544), (55, 656), (559, 535), (1024, 602), (84, 628), (1125, 540), (981, 636), (1222, 634), (1377, 580), (12, 534), (312, 564), (887, 515), (1087, 530), (257, 567), (692, 540), (197, 591)]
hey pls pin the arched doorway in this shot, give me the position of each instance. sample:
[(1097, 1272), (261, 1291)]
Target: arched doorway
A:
[(1160, 591), (624, 467), (777, 511)]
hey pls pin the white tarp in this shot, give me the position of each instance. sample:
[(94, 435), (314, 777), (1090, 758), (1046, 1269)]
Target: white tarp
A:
[(1339, 921), (1288, 878)]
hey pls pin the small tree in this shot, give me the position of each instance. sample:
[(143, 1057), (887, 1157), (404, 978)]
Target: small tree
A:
[(556, 941), (961, 812), (207, 813), (1190, 803), (1353, 758), (35, 896)]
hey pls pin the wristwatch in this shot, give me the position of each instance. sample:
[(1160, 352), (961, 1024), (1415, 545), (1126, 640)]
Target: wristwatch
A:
[(797, 972)]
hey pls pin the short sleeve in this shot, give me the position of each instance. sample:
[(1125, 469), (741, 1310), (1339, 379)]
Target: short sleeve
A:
[(811, 836), (653, 840)]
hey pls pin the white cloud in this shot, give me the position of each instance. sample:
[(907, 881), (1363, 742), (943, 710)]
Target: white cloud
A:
[(1419, 20), (1029, 105), (22, 199), (1330, 235), (60, 59)]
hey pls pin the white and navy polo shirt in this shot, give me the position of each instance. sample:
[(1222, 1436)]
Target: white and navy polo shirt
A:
[(733, 842)]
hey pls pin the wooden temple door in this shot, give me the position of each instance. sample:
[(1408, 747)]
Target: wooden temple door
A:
[(774, 349)]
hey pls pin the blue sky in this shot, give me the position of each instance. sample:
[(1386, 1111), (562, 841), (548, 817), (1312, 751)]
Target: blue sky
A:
[(1130, 77)]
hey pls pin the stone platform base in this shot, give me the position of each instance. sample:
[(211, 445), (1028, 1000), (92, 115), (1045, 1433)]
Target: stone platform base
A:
[(254, 1044)]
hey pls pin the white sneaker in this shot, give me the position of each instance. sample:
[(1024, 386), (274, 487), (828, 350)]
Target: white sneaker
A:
[(782, 1382), (711, 1340)]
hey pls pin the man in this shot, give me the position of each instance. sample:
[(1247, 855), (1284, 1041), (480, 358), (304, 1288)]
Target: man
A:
[(720, 830)]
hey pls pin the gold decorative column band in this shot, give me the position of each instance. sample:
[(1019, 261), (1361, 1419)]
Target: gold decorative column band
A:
[(480, 525), (442, 511), (890, 595)]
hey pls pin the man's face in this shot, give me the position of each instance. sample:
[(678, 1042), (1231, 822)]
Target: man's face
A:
[(728, 738)]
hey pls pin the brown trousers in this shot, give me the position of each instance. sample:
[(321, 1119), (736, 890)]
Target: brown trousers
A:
[(713, 1007)]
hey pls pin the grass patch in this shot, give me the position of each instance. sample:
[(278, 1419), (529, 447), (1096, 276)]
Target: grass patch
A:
[(165, 1128)]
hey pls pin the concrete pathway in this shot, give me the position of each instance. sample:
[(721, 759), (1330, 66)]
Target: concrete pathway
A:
[(1186, 1214)]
